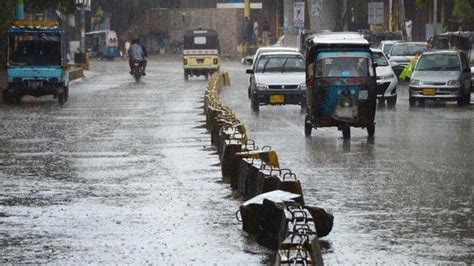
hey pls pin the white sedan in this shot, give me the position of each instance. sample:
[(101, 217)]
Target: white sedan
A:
[(278, 78), (387, 81)]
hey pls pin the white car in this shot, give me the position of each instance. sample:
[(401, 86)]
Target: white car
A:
[(267, 49), (387, 81), (278, 78)]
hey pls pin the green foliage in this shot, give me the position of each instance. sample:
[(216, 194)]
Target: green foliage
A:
[(463, 10), (66, 6), (124, 11), (422, 3)]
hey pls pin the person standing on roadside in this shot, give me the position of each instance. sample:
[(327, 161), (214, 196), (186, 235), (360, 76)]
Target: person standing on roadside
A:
[(127, 47), (266, 32)]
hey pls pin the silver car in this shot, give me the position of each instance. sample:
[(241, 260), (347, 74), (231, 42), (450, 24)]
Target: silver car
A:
[(441, 75)]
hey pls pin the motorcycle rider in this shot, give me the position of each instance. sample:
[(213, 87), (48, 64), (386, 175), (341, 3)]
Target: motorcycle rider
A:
[(136, 53), (145, 55)]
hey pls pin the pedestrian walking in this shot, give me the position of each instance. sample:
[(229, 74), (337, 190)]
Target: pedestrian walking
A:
[(266, 32), (255, 32), (127, 47)]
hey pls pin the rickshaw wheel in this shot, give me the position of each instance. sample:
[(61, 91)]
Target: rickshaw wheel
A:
[(17, 98), (61, 98), (346, 132), (371, 130)]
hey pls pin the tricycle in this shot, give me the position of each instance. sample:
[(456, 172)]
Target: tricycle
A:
[(37, 63), (340, 83)]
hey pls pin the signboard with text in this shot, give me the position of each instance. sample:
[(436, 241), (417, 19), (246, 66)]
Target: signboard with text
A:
[(375, 13), (299, 14)]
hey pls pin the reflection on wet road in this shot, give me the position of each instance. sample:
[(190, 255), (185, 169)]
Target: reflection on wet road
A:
[(124, 174), (404, 197)]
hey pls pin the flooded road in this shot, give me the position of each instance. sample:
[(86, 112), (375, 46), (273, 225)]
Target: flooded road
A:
[(405, 197), (124, 173)]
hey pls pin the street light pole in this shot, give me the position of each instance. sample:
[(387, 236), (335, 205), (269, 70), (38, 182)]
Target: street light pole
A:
[(435, 16), (83, 30)]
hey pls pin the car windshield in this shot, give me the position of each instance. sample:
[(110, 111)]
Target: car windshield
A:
[(343, 64), (407, 49), (379, 58), (387, 47), (439, 62), (280, 63)]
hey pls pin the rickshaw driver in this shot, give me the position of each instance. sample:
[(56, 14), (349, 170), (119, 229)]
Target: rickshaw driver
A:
[(343, 67), (136, 54)]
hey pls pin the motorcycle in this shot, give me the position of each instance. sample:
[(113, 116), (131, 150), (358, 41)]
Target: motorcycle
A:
[(136, 72)]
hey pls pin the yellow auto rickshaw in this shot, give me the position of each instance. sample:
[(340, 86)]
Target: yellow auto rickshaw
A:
[(201, 53)]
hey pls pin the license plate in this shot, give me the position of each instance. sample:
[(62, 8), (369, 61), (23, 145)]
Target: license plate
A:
[(429, 92), (277, 99), (36, 84)]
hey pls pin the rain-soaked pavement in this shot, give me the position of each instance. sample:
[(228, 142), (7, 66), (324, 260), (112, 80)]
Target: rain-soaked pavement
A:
[(124, 174)]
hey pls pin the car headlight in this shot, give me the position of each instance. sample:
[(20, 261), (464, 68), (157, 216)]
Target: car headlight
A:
[(261, 86), (415, 82), (388, 76), (454, 83), (302, 86)]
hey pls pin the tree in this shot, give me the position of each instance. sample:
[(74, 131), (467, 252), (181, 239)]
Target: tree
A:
[(124, 12), (463, 10)]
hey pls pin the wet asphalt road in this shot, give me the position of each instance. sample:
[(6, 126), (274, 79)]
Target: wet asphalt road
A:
[(405, 197), (124, 174)]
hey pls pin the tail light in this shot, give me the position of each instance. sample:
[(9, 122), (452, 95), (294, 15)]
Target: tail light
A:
[(215, 61)]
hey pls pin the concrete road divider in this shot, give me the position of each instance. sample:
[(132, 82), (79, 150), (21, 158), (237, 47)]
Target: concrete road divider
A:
[(301, 246), (274, 211), (251, 211)]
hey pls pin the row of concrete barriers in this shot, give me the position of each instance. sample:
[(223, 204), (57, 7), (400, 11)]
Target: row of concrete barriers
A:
[(274, 210)]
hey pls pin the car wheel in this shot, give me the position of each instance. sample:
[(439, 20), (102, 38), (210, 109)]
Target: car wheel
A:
[(303, 106), (461, 101), (307, 126), (412, 101), (249, 93), (346, 132), (61, 98), (392, 101), (371, 130), (255, 104)]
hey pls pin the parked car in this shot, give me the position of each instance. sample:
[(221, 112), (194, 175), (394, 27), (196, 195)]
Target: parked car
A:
[(386, 45), (402, 52), (387, 81), (266, 49), (441, 75), (278, 78)]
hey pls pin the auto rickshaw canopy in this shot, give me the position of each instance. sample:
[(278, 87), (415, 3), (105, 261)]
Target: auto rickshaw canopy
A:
[(201, 39)]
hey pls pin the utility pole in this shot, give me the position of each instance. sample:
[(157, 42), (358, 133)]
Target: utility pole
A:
[(247, 8), (435, 16)]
